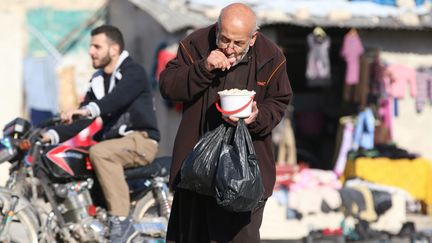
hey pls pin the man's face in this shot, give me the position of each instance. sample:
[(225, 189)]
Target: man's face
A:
[(100, 51), (234, 41)]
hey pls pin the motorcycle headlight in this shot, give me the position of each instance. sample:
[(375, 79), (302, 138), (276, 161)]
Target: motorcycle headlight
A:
[(7, 150)]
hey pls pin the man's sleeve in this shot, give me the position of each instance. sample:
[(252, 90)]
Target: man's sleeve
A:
[(185, 77), (277, 98), (62, 133)]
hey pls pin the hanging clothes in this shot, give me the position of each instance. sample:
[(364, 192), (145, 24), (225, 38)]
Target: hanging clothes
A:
[(376, 87), (364, 78), (359, 93), (385, 129), (364, 130), (352, 49), (424, 89), (395, 79), (345, 146), (318, 61)]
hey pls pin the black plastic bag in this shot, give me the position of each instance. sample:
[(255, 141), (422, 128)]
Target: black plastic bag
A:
[(199, 167), (238, 181)]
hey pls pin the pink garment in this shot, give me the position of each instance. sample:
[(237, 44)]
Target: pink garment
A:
[(424, 89), (385, 114), (351, 51), (395, 80), (314, 178)]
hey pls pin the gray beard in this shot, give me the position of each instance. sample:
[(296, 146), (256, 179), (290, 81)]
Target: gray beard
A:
[(245, 51)]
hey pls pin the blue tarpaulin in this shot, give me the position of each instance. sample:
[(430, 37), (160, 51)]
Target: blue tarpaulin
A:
[(391, 2)]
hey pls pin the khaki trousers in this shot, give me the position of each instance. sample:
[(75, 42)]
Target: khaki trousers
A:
[(110, 157)]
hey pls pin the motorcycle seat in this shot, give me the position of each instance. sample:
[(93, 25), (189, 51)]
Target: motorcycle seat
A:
[(160, 167)]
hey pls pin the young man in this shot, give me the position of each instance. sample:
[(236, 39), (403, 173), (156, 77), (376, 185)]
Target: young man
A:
[(120, 94), (225, 55)]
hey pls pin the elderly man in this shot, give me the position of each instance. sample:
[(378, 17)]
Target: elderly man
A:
[(228, 54)]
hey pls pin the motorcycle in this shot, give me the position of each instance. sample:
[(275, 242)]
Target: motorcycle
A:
[(52, 193)]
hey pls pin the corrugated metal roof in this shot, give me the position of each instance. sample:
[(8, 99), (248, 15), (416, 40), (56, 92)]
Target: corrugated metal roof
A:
[(365, 23), (343, 14), (175, 15), (173, 18)]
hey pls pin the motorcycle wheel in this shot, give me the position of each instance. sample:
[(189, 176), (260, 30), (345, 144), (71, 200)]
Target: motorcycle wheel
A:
[(148, 206), (148, 209), (23, 228)]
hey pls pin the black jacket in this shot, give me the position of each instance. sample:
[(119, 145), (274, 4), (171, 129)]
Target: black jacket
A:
[(129, 106)]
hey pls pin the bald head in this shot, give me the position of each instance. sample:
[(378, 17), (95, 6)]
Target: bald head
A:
[(236, 31), (238, 15)]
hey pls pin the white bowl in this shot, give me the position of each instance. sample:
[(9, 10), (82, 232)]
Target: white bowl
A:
[(236, 103)]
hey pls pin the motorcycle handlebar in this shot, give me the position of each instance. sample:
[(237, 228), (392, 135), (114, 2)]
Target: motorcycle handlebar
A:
[(50, 122), (56, 120), (77, 117), (35, 134)]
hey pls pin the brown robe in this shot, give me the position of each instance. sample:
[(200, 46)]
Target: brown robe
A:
[(196, 218), (185, 79)]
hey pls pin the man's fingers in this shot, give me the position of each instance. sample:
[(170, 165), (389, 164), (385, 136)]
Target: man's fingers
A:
[(234, 119), (231, 60), (68, 117), (230, 120), (45, 138), (218, 60), (250, 119), (254, 108), (65, 117), (253, 115), (226, 65)]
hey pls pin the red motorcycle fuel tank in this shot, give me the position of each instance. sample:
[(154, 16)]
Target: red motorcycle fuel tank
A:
[(65, 162)]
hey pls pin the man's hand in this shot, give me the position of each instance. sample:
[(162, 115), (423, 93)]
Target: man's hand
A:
[(233, 120), (45, 138), (68, 117), (218, 60)]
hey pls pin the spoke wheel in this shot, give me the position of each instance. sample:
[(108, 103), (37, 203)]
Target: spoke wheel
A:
[(21, 228)]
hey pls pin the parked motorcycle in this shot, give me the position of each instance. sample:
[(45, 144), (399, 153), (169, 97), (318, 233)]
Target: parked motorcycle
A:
[(52, 193)]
